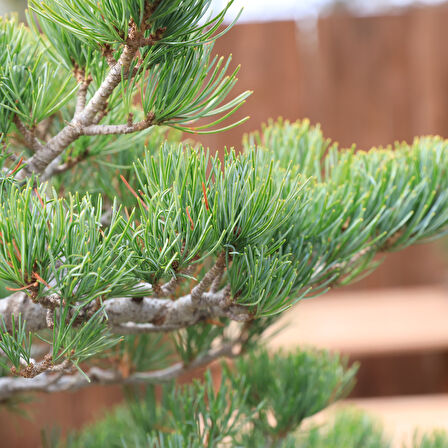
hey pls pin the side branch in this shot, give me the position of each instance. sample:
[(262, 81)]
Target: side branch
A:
[(10, 387), (170, 287), (212, 276), (57, 167), (109, 129), (29, 138), (82, 93)]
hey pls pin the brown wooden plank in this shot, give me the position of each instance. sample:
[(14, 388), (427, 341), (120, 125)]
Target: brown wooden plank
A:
[(370, 322)]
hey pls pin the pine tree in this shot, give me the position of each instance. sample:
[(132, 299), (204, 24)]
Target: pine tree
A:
[(130, 256)]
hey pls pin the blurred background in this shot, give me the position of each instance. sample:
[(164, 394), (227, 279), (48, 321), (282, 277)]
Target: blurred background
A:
[(371, 72)]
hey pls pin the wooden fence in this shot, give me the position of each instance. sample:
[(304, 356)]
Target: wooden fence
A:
[(370, 81)]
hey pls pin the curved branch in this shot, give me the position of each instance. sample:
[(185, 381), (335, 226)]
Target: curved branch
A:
[(9, 387)]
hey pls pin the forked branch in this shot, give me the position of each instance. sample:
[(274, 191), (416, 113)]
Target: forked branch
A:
[(85, 121)]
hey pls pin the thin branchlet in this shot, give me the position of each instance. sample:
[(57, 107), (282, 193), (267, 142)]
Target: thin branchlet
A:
[(213, 274), (28, 135), (45, 366), (81, 96), (128, 128), (85, 120)]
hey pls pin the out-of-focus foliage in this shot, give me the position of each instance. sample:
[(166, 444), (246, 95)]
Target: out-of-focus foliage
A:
[(291, 387), (234, 412), (194, 416), (211, 414), (31, 86), (350, 429), (436, 439)]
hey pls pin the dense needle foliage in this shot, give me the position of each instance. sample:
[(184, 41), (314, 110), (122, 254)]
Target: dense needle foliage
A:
[(130, 255)]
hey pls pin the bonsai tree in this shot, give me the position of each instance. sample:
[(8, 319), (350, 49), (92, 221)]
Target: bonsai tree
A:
[(129, 256)]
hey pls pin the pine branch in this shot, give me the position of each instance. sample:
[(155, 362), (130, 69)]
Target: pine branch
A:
[(124, 313), (170, 287), (84, 84), (30, 139), (39, 161), (133, 328), (35, 369), (85, 116), (214, 288), (120, 129), (46, 382), (56, 167), (215, 273)]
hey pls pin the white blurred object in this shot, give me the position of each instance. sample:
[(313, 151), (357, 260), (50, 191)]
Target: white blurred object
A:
[(7, 6), (266, 10)]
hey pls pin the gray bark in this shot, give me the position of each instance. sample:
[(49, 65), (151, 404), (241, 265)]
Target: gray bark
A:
[(47, 382), (124, 313)]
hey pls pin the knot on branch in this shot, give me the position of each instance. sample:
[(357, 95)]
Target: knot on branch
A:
[(34, 369), (153, 37), (108, 53)]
